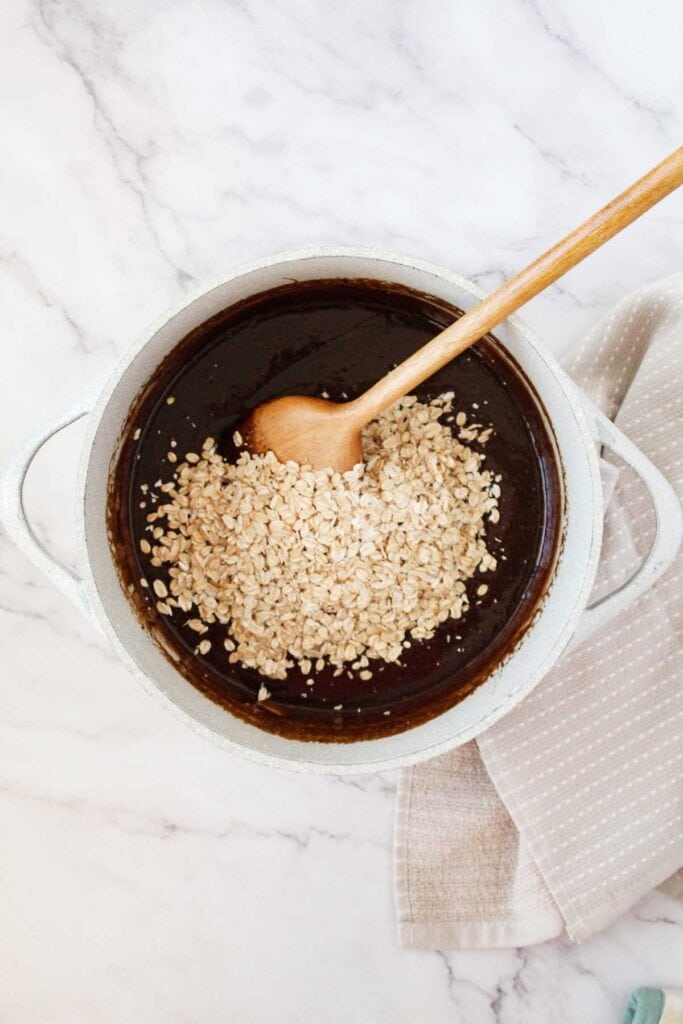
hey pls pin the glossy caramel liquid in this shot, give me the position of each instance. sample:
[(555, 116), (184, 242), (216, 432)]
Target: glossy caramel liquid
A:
[(341, 337)]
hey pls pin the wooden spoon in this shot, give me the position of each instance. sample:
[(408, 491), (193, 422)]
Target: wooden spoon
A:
[(314, 432)]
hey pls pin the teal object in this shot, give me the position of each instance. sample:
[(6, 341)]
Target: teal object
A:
[(644, 1007)]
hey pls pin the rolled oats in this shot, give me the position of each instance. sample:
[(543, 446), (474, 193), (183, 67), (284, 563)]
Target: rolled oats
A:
[(313, 567)]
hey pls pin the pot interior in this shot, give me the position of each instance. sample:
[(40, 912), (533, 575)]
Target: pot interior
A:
[(514, 677), (340, 337)]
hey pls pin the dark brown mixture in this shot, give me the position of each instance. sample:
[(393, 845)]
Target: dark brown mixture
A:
[(340, 337)]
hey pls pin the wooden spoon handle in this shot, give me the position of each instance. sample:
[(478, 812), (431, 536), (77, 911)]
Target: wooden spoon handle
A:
[(581, 242)]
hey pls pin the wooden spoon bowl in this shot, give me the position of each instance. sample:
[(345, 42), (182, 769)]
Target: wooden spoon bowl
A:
[(299, 429)]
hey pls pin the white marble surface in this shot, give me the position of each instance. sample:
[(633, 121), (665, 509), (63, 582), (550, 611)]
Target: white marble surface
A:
[(146, 875)]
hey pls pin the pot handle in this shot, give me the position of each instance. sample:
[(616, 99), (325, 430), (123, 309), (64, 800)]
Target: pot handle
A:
[(13, 513), (668, 526)]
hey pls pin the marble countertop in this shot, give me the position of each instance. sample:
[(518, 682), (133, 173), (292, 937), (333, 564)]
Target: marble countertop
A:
[(145, 874)]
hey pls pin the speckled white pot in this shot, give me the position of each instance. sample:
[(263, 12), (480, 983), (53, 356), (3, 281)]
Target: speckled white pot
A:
[(579, 429)]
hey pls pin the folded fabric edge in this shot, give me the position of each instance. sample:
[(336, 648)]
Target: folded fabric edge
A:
[(574, 925), (544, 925), (401, 813), (673, 886), (576, 928), (529, 931)]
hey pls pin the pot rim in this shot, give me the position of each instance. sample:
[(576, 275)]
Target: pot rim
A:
[(379, 763)]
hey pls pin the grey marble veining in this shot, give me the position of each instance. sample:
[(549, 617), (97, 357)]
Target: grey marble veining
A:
[(146, 875)]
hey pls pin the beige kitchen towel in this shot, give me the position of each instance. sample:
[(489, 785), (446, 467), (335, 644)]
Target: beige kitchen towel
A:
[(570, 808)]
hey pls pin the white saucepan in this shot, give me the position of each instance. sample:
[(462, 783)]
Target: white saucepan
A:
[(580, 430)]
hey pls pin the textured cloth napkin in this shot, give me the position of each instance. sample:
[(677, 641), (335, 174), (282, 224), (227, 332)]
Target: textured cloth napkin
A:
[(564, 813)]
